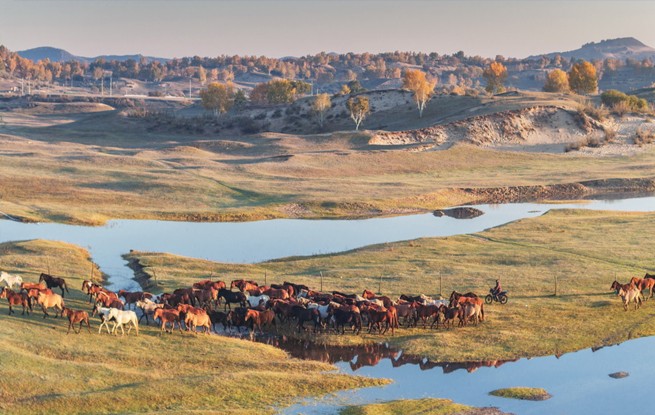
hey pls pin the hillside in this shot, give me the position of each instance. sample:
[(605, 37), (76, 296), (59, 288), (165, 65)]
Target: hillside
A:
[(621, 48), (60, 55)]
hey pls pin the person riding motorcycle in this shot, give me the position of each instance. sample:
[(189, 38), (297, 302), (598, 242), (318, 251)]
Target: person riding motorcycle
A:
[(497, 289)]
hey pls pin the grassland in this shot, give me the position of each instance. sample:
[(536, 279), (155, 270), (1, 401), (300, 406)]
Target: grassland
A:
[(414, 407), (522, 393), (46, 371), (580, 251), (93, 166)]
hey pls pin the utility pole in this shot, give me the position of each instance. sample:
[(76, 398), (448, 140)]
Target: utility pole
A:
[(22, 86), (110, 83), (189, 87), (102, 84)]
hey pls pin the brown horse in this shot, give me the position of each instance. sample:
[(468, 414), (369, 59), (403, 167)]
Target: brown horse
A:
[(644, 284), (277, 293), (14, 298), (370, 295), (616, 286), (244, 285), (30, 285), (131, 297), (260, 318), (74, 317), (167, 316), (454, 296), (52, 282), (477, 303), (194, 320)]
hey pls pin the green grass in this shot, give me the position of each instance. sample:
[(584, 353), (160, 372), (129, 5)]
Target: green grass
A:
[(585, 250), (46, 371), (409, 407), (523, 393)]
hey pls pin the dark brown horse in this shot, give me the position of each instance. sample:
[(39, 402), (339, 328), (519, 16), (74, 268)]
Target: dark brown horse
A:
[(14, 298), (52, 282), (76, 316)]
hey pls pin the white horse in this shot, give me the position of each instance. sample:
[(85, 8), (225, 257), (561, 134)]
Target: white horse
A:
[(104, 320), (254, 301), (632, 294), (10, 280), (122, 317)]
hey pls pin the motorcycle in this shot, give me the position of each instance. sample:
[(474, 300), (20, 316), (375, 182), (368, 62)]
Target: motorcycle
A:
[(500, 297)]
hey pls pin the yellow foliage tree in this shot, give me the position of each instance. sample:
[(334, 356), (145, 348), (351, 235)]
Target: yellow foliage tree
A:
[(582, 78), (320, 106), (556, 81), (359, 108), (217, 97), (422, 87), (495, 75)]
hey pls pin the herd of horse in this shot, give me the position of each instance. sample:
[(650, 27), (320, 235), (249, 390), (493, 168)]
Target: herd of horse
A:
[(632, 292), (255, 307)]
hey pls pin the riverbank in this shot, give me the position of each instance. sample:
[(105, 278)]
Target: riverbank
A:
[(97, 373), (578, 253)]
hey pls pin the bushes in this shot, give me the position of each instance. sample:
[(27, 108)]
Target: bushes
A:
[(644, 136), (622, 103)]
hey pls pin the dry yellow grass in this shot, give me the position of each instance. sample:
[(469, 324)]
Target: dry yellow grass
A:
[(88, 168)]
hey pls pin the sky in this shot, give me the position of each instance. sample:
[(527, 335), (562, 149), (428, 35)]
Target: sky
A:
[(174, 28)]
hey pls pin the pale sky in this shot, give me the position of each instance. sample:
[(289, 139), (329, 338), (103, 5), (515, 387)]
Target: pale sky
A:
[(173, 28)]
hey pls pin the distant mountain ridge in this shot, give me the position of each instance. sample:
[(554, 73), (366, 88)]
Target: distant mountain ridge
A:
[(61, 55), (620, 48)]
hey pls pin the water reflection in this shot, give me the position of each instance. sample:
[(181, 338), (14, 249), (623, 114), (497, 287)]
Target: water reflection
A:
[(369, 355)]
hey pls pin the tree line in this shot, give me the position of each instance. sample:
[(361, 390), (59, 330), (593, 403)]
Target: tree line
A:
[(323, 68)]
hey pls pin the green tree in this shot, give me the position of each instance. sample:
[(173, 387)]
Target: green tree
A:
[(422, 87), (217, 98), (320, 106), (582, 78), (495, 75), (359, 108), (556, 81)]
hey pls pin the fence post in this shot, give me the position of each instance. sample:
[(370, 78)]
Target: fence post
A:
[(321, 281), (265, 279), (556, 285), (440, 285), (380, 285)]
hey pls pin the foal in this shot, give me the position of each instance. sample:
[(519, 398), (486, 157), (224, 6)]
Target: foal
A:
[(76, 316)]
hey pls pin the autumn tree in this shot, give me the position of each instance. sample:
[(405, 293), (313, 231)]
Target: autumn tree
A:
[(495, 75), (582, 78), (359, 108), (278, 91), (202, 75), (422, 87), (320, 106), (217, 97), (556, 81)]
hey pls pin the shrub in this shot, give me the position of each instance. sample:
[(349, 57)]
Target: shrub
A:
[(644, 136), (622, 103)]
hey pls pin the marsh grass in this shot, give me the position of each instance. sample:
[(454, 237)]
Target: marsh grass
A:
[(580, 251), (409, 407), (46, 371), (522, 393)]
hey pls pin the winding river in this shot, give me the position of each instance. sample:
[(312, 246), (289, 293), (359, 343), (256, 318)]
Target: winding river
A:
[(579, 382)]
